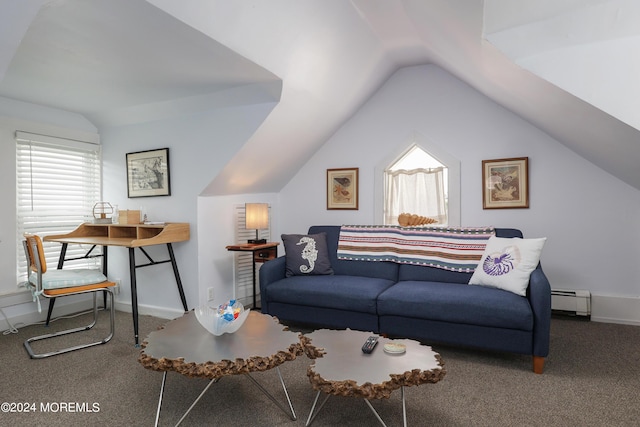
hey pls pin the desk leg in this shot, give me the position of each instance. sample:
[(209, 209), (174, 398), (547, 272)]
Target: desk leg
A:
[(177, 274), (63, 254), (104, 271), (134, 293), (52, 301)]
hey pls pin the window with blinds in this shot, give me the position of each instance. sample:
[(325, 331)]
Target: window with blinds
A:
[(243, 264), (58, 183)]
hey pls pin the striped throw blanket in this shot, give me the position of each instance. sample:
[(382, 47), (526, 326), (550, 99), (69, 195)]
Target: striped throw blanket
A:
[(455, 249)]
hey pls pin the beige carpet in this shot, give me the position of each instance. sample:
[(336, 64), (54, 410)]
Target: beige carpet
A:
[(591, 378)]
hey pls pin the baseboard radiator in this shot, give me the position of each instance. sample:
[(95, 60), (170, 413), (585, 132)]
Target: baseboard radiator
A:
[(571, 302)]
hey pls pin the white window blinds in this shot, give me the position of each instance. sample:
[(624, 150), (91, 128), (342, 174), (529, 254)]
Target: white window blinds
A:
[(58, 183), (243, 263)]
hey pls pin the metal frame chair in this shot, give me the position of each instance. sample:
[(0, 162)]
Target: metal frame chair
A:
[(61, 283)]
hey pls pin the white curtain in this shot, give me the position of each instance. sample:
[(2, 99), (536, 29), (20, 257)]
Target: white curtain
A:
[(416, 191)]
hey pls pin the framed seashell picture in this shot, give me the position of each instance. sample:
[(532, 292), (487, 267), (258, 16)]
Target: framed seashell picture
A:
[(342, 188), (505, 183)]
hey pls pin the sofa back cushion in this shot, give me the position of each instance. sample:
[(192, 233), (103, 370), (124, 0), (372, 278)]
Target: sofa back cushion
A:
[(432, 274), (382, 270), (391, 270)]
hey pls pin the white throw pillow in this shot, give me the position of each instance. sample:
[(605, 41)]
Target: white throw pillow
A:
[(507, 263)]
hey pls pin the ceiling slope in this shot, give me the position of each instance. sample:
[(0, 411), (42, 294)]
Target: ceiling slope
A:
[(406, 32), (120, 62), (328, 58), (591, 49), (586, 54)]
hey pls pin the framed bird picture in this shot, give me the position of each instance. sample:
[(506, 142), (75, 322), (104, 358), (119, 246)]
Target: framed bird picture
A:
[(342, 188)]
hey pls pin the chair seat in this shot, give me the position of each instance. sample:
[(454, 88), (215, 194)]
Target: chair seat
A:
[(59, 279), (75, 289), (61, 283)]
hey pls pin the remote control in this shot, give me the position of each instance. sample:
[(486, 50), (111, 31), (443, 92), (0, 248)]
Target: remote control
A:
[(369, 344)]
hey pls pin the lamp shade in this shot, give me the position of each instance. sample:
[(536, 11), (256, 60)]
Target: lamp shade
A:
[(256, 215)]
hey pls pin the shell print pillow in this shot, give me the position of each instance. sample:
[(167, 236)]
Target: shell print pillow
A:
[(507, 263)]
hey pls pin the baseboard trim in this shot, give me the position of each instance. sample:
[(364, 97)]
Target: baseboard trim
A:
[(21, 311), (150, 310), (615, 309), (32, 316), (15, 298)]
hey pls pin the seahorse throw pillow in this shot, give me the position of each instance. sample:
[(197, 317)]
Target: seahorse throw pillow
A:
[(507, 263), (306, 254)]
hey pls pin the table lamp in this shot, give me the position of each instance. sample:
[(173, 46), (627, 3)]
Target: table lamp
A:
[(256, 217)]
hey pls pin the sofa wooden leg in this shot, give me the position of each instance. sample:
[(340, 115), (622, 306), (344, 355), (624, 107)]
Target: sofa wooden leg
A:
[(538, 364)]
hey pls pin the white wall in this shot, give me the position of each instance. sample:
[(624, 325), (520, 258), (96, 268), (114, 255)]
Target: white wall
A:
[(199, 146), (216, 230), (588, 216)]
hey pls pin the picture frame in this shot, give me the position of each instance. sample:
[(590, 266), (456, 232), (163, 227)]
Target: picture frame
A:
[(505, 183), (342, 189), (148, 173)]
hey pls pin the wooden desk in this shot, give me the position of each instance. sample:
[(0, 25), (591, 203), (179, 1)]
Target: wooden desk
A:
[(261, 253), (129, 236)]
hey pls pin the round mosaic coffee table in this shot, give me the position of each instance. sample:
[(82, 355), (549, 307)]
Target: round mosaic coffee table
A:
[(185, 347), (340, 367)]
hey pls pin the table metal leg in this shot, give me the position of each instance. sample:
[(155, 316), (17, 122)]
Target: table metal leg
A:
[(292, 415), (273, 399), (404, 408), (312, 416), (212, 382), (315, 401), (164, 380), (374, 412), (286, 393)]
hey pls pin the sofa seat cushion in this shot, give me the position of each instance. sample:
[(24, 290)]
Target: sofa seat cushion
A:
[(457, 303), (353, 293)]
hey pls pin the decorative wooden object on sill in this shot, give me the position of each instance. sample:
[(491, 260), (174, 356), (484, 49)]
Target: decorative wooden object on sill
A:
[(405, 219)]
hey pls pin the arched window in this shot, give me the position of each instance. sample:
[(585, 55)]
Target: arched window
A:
[(416, 184), (436, 192)]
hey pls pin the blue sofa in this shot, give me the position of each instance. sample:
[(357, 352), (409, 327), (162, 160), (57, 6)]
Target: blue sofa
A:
[(410, 301)]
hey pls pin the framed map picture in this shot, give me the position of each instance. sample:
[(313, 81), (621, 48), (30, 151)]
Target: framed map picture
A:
[(505, 183), (342, 188), (148, 173)]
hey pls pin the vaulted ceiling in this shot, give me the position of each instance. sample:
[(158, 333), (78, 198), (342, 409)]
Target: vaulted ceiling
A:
[(569, 67)]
